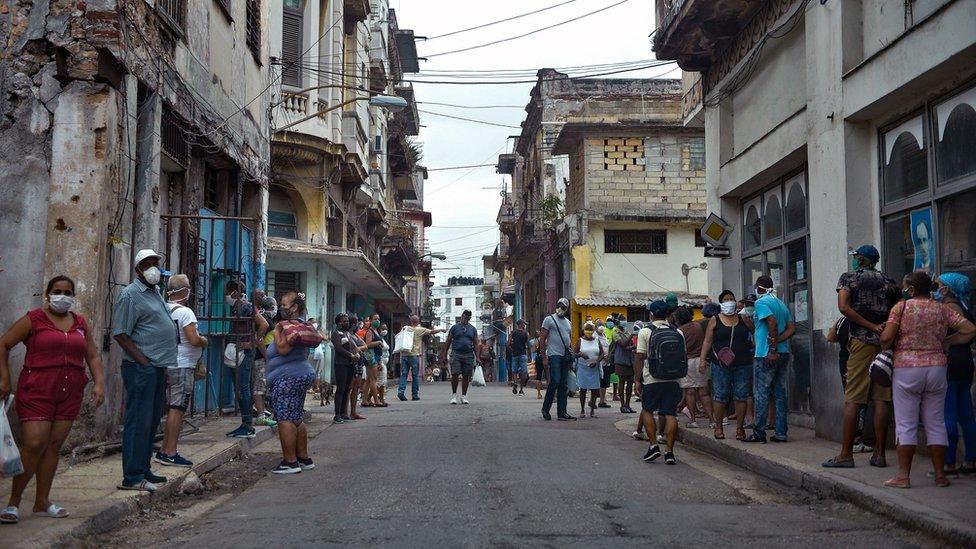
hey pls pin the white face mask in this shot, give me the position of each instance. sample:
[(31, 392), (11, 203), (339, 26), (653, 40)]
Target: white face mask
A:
[(152, 275), (728, 307), (177, 296), (560, 311), (384, 333), (60, 303), (749, 311)]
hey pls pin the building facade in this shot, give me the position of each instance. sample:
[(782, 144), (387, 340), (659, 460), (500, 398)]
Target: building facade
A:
[(829, 125), (461, 293)]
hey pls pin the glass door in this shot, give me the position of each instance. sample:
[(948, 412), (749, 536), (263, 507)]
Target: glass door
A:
[(798, 299)]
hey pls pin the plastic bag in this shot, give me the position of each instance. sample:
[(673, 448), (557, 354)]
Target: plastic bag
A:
[(572, 384), (10, 463), (404, 341), (478, 378)]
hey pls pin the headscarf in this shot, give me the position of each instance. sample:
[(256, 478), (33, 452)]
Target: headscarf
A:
[(958, 284)]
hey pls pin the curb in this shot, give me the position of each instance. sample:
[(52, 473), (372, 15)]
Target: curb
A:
[(108, 518), (876, 500)]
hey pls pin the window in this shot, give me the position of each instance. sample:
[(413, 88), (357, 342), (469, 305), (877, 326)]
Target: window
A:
[(796, 205), (282, 218), (254, 28), (437, 302), (772, 215), (282, 282), (751, 228), (958, 227), (334, 224), (955, 136), (905, 171), (173, 13), (635, 242), (696, 146), (292, 46), (458, 301)]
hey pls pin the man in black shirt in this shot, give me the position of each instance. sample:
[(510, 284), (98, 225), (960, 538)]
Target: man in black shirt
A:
[(518, 345)]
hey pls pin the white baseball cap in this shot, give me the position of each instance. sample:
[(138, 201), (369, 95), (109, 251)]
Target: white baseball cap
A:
[(145, 254)]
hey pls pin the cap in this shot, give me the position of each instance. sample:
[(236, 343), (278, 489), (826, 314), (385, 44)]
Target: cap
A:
[(563, 302), (671, 299), (867, 251), (142, 255), (751, 298), (710, 309), (657, 307), (638, 326), (520, 322)]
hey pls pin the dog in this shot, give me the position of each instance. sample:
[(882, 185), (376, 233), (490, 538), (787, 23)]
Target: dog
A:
[(326, 391)]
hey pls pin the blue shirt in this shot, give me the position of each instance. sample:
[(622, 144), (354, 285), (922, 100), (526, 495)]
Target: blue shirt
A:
[(767, 306), (141, 314), (462, 338)]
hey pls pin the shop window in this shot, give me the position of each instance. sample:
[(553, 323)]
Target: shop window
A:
[(635, 242), (796, 205), (773, 215), (956, 137), (898, 254), (752, 268), (774, 268), (751, 227), (958, 232), (905, 171), (641, 314)]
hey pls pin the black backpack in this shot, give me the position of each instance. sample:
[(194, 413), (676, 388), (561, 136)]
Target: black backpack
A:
[(666, 357)]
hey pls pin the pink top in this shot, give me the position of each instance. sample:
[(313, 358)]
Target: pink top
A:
[(49, 347), (923, 325)]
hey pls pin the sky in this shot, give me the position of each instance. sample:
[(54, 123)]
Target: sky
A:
[(464, 203)]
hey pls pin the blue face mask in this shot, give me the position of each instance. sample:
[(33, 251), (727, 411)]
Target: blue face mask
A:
[(855, 264), (938, 295), (610, 324)]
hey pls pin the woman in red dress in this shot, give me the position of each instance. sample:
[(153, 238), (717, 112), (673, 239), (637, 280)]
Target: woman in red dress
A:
[(50, 388)]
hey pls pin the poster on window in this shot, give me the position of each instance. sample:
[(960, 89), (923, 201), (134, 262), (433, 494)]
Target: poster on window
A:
[(923, 240), (800, 306)]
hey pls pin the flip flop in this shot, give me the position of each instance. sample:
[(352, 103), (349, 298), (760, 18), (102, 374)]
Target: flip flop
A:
[(53, 511), (719, 434), (834, 463), (10, 515), (898, 483)]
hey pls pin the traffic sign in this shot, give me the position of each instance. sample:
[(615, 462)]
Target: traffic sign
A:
[(722, 252)]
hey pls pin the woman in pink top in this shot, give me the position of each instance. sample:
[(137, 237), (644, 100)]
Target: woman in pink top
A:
[(917, 331), (50, 388)]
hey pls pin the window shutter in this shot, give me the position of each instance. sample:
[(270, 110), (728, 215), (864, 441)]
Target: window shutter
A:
[(291, 48)]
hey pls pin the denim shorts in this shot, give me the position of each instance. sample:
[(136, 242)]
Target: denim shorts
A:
[(731, 383), (520, 364)]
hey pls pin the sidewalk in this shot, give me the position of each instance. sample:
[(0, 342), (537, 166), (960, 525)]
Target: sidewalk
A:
[(88, 489), (943, 512)]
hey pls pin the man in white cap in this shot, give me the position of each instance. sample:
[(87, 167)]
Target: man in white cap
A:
[(557, 358), (143, 328)]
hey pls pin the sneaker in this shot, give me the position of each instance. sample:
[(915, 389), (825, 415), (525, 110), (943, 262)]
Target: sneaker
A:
[(338, 419), (725, 421), (637, 435), (669, 458), (464, 400), (402, 397), (141, 486), (415, 398), (653, 452), (661, 439), (265, 421), (521, 393), (306, 464), (454, 399), (861, 448), (566, 417), (546, 416), (244, 431), (285, 468), (514, 390), (175, 460), (603, 405), (155, 479), (692, 425)]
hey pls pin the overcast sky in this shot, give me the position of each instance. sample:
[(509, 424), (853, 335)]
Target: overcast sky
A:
[(458, 198)]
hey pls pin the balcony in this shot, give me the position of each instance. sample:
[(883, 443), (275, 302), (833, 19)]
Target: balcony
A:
[(398, 257), (693, 31), (507, 215), (294, 105), (355, 10)]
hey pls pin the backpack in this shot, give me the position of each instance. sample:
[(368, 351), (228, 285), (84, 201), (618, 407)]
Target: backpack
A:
[(666, 358)]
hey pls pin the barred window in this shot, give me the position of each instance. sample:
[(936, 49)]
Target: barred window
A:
[(254, 28), (635, 242)]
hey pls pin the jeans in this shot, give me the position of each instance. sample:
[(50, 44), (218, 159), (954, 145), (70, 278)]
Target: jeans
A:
[(959, 409), (145, 391), (771, 381), (245, 395), (408, 363), (500, 344), (557, 388), (343, 376)]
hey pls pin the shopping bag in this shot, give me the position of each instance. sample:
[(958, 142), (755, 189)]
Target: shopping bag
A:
[(478, 378), (572, 384), (10, 463), (403, 341), (232, 358)]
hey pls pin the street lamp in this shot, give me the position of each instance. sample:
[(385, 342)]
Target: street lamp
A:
[(392, 103), (434, 255)]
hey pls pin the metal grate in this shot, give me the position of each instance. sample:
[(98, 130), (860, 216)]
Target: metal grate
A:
[(254, 28), (174, 138), (173, 12)]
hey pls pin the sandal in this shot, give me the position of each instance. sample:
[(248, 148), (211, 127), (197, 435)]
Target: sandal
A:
[(53, 511), (740, 433), (896, 482), (941, 482), (10, 515), (720, 433)]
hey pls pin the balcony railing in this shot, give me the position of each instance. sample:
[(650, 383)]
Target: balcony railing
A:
[(173, 12), (295, 103)]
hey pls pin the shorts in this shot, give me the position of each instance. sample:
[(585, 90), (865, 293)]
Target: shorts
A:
[(360, 370), (859, 388), (288, 396), (625, 372), (179, 388), (259, 384), (694, 379), (520, 365), (462, 364), (383, 373), (731, 382), (662, 397), (540, 374), (50, 394)]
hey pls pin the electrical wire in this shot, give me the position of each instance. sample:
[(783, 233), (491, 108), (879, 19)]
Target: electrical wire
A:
[(471, 106), (476, 121), (463, 167), (437, 245), (469, 48), (514, 17)]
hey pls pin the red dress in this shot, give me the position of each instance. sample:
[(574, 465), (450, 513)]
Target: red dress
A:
[(52, 383)]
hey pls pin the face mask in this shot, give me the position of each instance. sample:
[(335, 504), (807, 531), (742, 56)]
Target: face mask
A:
[(230, 300), (273, 312), (623, 325), (609, 324), (855, 264), (768, 291), (588, 333), (905, 295), (152, 275), (60, 303), (748, 310), (938, 295), (178, 295), (384, 333), (728, 307), (376, 324), (560, 311)]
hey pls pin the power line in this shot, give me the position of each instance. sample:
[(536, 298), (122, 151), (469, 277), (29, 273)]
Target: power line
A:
[(469, 48), (534, 70), (476, 121), (535, 80), (519, 16), (463, 167), (471, 106), (460, 237)]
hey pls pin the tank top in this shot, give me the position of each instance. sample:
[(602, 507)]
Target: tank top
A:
[(960, 357), (49, 347), (590, 349), (738, 335)]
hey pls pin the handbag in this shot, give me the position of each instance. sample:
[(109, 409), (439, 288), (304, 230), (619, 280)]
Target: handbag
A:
[(301, 334), (881, 368), (725, 355), (200, 370), (232, 359)]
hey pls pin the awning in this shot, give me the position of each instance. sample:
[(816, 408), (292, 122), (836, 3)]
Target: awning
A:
[(636, 299), (364, 277)]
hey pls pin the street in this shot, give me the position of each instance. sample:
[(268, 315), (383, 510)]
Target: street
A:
[(422, 474)]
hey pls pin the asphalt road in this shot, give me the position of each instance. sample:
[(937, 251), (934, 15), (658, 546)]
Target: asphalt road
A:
[(493, 473)]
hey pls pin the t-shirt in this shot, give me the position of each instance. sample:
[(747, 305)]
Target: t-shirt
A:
[(558, 340), (621, 351), (770, 306), (533, 347), (186, 355), (694, 338), (462, 338), (643, 343), (418, 338), (872, 296), (923, 325), (520, 343)]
